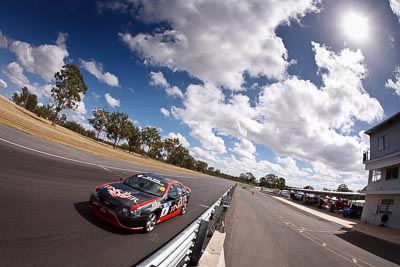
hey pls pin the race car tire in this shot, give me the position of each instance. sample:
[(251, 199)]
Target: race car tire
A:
[(150, 222)]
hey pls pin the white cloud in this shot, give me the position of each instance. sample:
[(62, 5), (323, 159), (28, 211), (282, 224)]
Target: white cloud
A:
[(3, 41), (112, 101), (44, 60), (181, 138), (96, 69), (15, 74), (245, 149), (174, 92), (81, 109), (292, 117), (395, 6), (211, 41), (42, 90), (395, 84), (3, 84), (201, 120), (158, 79), (165, 112)]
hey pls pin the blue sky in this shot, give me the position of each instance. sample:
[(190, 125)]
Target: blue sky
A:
[(282, 87)]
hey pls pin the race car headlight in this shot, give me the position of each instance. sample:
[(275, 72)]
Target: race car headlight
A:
[(124, 211), (134, 212)]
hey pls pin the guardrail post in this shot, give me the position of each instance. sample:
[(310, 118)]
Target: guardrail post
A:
[(199, 242)]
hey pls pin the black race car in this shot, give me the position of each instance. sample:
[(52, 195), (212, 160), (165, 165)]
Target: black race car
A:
[(140, 201)]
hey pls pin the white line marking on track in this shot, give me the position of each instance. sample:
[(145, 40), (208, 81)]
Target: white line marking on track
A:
[(79, 161), (65, 158), (201, 205), (104, 168)]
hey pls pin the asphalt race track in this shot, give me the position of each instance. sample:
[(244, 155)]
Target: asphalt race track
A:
[(45, 218), (263, 231)]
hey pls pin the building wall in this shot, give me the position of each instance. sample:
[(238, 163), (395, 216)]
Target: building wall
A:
[(372, 215), (383, 184), (393, 130)]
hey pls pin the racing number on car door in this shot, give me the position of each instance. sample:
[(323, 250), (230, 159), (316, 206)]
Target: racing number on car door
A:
[(165, 209)]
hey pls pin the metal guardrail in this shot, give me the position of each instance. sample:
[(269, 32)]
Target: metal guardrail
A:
[(179, 251)]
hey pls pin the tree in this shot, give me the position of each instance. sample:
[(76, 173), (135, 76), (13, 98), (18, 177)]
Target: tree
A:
[(63, 120), (69, 87), (308, 187), (134, 141), (189, 162), (201, 166), (99, 119), (325, 189), (118, 127), (281, 183), (156, 150), (271, 180), (171, 150), (248, 177), (22, 98), (25, 99), (46, 111), (150, 137), (263, 182), (343, 188), (31, 103)]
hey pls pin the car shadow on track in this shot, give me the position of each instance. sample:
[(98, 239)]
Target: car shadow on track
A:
[(84, 210), (382, 248)]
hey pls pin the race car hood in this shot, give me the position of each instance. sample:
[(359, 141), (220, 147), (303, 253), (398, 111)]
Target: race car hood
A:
[(123, 195)]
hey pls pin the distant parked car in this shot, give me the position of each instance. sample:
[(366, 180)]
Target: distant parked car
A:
[(285, 193), (140, 201), (299, 195), (276, 192), (310, 199), (354, 210)]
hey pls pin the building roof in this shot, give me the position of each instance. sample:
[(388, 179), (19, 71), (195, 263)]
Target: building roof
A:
[(389, 120)]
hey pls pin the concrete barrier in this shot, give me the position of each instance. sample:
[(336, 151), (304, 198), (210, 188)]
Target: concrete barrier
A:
[(214, 253)]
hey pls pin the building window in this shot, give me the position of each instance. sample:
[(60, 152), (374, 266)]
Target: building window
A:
[(392, 173), (376, 175), (386, 206), (383, 142)]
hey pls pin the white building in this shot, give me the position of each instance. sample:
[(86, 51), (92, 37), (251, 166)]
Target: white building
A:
[(383, 162)]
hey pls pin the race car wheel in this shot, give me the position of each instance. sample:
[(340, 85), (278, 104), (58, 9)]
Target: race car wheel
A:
[(150, 222), (184, 209)]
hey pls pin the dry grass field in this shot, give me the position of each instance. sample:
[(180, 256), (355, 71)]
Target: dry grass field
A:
[(26, 121)]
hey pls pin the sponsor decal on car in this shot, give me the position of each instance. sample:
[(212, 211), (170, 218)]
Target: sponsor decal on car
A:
[(151, 179), (181, 202), (156, 205), (120, 193)]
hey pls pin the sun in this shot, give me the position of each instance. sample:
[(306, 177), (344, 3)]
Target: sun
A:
[(355, 26)]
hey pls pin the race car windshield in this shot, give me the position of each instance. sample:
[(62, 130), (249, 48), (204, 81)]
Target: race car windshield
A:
[(146, 184)]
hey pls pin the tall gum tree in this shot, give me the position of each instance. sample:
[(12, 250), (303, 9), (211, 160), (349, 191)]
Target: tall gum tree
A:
[(69, 87)]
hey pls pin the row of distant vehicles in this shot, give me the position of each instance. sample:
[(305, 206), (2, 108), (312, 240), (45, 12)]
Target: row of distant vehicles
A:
[(349, 208)]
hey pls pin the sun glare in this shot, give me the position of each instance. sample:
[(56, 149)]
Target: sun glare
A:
[(355, 26)]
